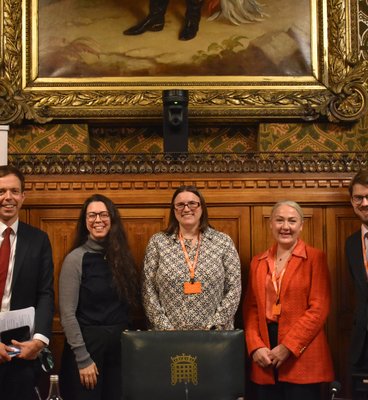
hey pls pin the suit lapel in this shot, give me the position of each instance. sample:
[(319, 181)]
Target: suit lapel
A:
[(298, 255), (20, 251), (262, 272), (291, 269), (357, 260)]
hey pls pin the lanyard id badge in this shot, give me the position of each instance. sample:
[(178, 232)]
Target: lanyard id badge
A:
[(276, 308), (191, 287)]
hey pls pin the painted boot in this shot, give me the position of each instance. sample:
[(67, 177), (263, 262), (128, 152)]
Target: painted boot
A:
[(154, 21), (192, 18)]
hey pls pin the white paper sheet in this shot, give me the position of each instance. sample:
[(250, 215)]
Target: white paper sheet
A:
[(16, 318)]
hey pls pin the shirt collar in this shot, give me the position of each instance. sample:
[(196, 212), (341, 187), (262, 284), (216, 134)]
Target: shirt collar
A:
[(14, 227), (298, 251), (364, 230)]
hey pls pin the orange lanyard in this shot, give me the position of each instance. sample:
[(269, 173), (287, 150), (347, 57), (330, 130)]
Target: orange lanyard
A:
[(365, 255), (191, 266), (277, 281)]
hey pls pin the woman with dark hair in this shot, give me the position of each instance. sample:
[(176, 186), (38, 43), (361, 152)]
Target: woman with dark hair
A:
[(191, 274), (97, 288)]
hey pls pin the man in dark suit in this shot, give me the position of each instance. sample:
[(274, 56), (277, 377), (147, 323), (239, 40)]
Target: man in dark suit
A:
[(357, 256), (28, 282)]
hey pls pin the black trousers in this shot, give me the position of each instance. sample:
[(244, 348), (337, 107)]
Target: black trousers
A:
[(286, 390), (18, 379), (360, 373), (103, 344), (362, 364)]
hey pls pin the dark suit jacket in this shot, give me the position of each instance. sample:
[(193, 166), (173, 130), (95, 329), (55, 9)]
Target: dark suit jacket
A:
[(354, 254), (32, 283)]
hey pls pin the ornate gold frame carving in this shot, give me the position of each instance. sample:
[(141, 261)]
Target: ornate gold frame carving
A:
[(337, 89)]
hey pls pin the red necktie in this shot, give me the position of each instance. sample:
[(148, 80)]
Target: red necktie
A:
[(4, 260)]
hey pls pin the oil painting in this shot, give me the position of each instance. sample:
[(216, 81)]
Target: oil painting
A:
[(240, 60), (157, 38)]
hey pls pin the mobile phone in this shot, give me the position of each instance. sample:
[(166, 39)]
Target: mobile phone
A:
[(21, 334), (14, 351)]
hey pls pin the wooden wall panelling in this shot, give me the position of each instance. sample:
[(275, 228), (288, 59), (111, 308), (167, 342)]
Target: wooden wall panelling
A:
[(140, 224), (341, 222), (218, 189), (23, 214), (235, 221)]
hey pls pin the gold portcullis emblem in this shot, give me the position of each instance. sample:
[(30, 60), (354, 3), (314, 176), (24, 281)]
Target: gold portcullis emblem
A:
[(184, 369)]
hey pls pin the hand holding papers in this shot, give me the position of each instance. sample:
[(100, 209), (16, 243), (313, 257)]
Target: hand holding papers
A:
[(17, 324)]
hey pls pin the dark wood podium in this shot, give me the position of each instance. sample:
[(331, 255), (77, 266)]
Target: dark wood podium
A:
[(188, 365), (360, 386)]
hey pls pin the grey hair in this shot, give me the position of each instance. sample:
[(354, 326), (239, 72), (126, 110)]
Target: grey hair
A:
[(289, 203)]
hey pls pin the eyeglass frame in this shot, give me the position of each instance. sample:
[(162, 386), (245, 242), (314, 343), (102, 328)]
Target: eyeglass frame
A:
[(92, 216), (360, 200), (192, 205)]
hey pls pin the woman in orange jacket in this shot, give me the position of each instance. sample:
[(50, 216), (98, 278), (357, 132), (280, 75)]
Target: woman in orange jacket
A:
[(285, 309)]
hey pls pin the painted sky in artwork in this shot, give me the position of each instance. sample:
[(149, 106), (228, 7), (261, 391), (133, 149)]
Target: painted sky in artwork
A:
[(84, 38)]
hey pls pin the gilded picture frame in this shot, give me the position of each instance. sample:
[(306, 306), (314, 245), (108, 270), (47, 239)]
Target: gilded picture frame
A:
[(335, 88)]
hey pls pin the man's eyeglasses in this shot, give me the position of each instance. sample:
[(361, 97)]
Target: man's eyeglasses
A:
[(358, 199), (104, 216), (192, 205)]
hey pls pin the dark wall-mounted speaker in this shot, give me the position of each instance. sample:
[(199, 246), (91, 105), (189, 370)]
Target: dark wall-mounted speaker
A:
[(175, 123)]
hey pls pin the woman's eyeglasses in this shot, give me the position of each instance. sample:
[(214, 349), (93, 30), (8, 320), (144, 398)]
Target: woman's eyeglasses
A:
[(192, 205), (104, 216)]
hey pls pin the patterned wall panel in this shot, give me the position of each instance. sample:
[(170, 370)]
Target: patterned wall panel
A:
[(286, 137), (149, 139), (115, 139), (50, 138), (312, 137)]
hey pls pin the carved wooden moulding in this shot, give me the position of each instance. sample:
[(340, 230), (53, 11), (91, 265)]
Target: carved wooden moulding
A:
[(189, 163)]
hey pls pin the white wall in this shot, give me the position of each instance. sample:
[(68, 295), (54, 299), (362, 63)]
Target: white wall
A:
[(4, 129)]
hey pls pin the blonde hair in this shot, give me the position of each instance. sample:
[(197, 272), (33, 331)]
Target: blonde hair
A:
[(289, 203)]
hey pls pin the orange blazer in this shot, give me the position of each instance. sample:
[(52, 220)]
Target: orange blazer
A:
[(305, 299)]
